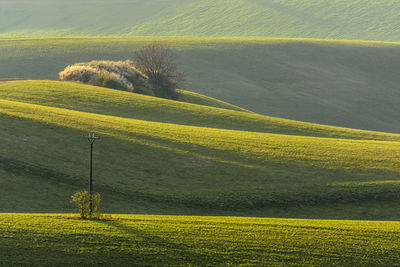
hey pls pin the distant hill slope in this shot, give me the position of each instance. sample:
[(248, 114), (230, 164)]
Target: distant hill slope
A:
[(338, 19), (341, 83)]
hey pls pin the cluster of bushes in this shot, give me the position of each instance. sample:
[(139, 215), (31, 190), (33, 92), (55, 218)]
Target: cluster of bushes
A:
[(154, 72), (121, 75)]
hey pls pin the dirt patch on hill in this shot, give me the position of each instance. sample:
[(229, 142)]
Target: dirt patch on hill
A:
[(6, 80)]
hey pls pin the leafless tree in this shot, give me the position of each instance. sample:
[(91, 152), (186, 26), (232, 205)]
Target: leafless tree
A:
[(157, 62)]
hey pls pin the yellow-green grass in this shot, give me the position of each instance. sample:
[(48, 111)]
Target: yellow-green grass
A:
[(351, 84), (143, 240), (71, 94), (162, 167), (80, 97)]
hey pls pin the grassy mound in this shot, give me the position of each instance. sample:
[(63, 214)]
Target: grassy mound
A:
[(350, 19), (341, 83), (152, 166), (210, 113), (180, 241)]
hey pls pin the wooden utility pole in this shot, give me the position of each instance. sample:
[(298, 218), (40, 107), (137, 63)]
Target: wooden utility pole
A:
[(91, 138)]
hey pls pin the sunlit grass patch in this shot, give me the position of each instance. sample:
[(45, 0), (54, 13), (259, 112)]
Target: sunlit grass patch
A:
[(369, 183), (190, 240)]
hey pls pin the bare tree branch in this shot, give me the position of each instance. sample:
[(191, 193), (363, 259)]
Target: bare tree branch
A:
[(157, 62)]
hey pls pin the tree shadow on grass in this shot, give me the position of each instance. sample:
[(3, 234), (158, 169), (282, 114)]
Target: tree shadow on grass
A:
[(160, 250)]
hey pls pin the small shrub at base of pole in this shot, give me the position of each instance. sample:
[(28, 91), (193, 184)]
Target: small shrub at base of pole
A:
[(82, 201)]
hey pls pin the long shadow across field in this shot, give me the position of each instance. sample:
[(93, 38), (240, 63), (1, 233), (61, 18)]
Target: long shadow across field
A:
[(169, 251)]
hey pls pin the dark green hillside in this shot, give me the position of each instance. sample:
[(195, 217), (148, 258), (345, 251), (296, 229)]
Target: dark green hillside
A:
[(349, 84), (336, 19)]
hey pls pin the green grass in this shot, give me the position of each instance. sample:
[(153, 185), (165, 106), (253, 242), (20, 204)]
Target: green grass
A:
[(360, 19), (247, 146), (80, 97), (39, 91), (73, 93), (153, 165), (199, 99), (142, 240), (343, 83)]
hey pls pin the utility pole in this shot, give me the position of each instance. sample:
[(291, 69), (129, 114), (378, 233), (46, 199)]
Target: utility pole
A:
[(91, 138)]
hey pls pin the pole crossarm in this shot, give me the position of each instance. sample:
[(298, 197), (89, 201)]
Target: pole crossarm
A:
[(91, 137)]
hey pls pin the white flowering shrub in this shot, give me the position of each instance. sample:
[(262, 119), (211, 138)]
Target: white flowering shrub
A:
[(120, 75), (78, 73), (127, 72)]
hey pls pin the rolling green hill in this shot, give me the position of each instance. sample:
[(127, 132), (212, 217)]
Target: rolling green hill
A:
[(53, 240), (211, 113), (147, 162), (341, 83), (338, 19)]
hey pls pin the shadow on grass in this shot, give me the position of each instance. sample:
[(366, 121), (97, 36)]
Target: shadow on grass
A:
[(165, 250)]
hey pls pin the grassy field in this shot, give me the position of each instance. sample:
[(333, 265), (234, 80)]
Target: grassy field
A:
[(211, 113), (341, 83), (338, 19), (52, 239), (158, 164)]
